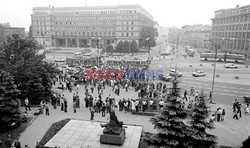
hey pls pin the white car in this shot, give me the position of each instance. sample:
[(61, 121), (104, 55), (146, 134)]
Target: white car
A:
[(175, 72), (59, 60), (230, 65), (198, 74)]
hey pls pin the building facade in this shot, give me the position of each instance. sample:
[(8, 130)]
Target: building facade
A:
[(88, 26), (195, 35), (6, 30), (162, 33), (231, 29)]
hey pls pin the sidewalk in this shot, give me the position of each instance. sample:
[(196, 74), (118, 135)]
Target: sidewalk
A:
[(231, 132)]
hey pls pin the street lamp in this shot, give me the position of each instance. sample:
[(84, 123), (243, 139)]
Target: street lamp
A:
[(147, 39)]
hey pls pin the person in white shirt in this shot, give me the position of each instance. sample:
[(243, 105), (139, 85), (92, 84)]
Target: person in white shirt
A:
[(161, 104), (151, 102), (27, 104), (247, 110), (133, 105)]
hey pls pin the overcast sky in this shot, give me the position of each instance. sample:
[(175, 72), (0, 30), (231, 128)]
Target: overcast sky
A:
[(167, 13)]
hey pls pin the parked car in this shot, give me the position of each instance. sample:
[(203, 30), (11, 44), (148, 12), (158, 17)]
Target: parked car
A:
[(246, 99), (165, 77), (59, 60), (198, 73), (230, 65), (175, 72)]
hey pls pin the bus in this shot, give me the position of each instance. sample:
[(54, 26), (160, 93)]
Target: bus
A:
[(190, 51), (128, 62), (90, 61), (222, 57)]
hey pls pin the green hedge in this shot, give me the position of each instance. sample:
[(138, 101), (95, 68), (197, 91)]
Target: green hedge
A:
[(53, 130)]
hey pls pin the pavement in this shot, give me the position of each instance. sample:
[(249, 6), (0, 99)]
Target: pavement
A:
[(231, 132)]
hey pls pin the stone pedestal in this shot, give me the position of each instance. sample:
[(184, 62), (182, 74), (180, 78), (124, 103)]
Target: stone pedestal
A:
[(113, 139)]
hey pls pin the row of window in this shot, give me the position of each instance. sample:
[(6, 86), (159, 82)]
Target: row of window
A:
[(232, 27), (95, 12), (87, 18), (97, 34), (242, 35), (235, 19), (235, 12)]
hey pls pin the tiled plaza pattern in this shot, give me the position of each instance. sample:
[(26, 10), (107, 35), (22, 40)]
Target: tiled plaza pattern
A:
[(81, 134)]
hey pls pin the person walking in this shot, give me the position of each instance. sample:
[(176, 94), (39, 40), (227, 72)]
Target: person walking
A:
[(27, 104), (47, 108), (41, 107), (223, 115), (74, 106), (92, 114), (103, 109), (62, 102), (65, 105)]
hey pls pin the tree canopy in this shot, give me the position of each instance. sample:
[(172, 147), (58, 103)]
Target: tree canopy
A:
[(32, 75)]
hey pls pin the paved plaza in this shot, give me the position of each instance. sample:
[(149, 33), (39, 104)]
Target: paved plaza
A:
[(79, 134), (231, 132)]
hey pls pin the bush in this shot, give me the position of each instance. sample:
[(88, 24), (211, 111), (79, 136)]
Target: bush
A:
[(236, 77), (246, 143)]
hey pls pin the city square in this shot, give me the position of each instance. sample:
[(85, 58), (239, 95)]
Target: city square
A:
[(110, 76)]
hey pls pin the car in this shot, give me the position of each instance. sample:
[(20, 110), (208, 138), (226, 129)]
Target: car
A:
[(165, 77), (175, 72), (246, 99), (77, 53), (59, 60), (230, 65), (198, 73)]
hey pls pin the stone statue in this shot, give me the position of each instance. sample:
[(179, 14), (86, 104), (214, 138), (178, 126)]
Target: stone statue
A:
[(114, 127)]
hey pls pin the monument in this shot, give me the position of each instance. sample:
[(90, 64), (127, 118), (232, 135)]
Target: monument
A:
[(114, 131)]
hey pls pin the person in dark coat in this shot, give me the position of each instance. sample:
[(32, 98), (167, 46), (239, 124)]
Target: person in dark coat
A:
[(65, 105)]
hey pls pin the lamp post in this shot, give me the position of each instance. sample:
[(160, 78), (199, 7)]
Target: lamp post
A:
[(215, 58), (147, 39)]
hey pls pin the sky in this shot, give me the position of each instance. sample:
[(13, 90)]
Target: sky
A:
[(167, 13)]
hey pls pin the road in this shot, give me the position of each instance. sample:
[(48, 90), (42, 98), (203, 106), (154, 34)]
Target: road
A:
[(226, 87)]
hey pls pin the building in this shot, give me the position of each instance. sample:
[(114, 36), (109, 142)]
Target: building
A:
[(162, 33), (173, 33), (9, 31), (231, 29), (6, 30), (195, 35), (88, 26)]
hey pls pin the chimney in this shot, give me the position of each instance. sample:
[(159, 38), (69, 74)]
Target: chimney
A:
[(237, 6)]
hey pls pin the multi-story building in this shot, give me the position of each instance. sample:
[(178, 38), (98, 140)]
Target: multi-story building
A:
[(195, 35), (6, 30), (87, 26), (231, 29)]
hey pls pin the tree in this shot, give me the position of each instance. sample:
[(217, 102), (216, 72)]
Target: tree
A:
[(9, 105), (110, 48), (31, 74), (147, 36), (172, 130), (134, 47), (198, 125), (126, 47), (246, 142), (120, 46)]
